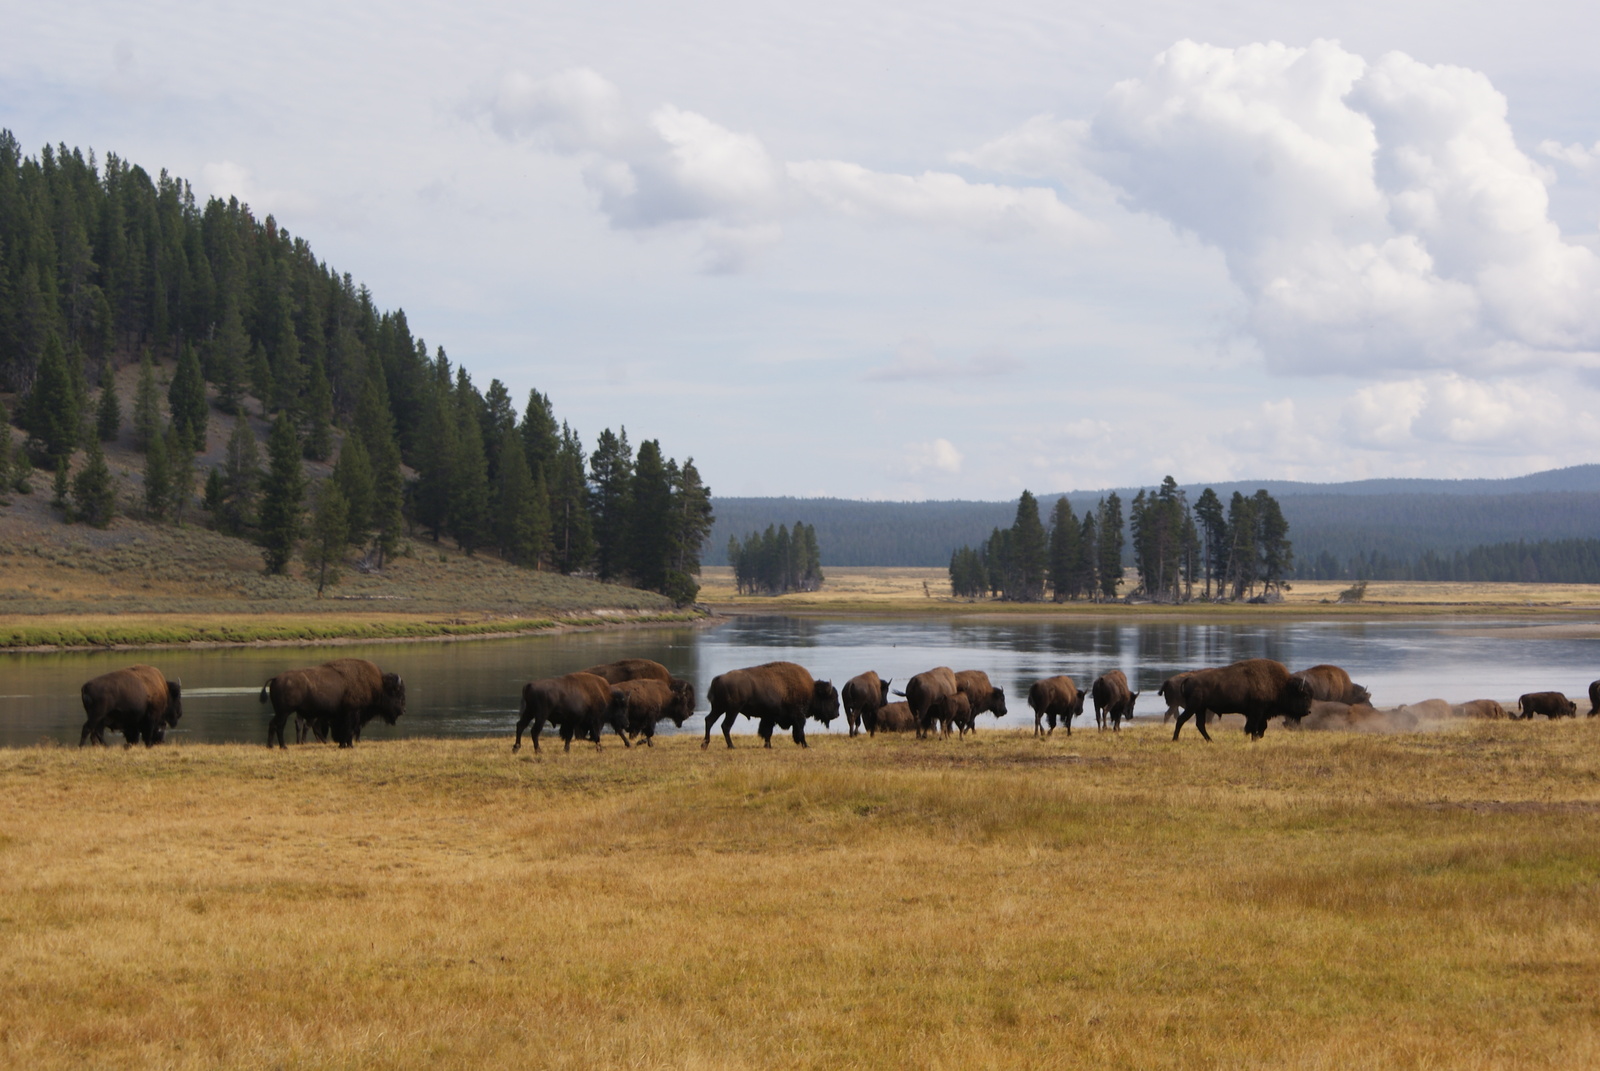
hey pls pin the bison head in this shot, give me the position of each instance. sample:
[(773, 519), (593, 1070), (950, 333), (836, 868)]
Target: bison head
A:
[(1359, 695), (997, 703), (174, 703), (681, 707), (824, 702), (883, 691), (1297, 698), (394, 698)]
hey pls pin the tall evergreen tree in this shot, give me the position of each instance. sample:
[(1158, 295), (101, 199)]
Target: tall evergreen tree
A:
[(93, 492), (375, 426), (610, 475), (1064, 548), (571, 530), (330, 532), (181, 461), (319, 411), (469, 489), (522, 511), (541, 435), (436, 473), (1088, 571), (1110, 535), (281, 495), (241, 473), (1029, 549), (52, 415), (692, 505), (157, 478), (186, 400), (147, 423), (230, 360), (108, 414), (353, 474), (1214, 530)]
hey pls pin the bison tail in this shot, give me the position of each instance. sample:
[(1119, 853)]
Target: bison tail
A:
[(264, 688)]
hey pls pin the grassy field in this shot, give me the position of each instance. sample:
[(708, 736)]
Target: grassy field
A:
[(875, 589), (1311, 901)]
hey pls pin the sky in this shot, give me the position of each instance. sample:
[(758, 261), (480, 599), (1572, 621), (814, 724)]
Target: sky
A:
[(932, 250)]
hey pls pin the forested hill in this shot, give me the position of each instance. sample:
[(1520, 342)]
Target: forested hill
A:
[(1398, 519)]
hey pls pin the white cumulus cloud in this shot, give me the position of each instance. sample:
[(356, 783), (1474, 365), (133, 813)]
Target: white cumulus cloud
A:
[(940, 455)]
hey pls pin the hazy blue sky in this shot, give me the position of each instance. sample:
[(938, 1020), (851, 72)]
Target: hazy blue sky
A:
[(932, 250)]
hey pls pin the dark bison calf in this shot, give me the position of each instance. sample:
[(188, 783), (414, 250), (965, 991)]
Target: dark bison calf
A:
[(631, 669), (577, 704), (1172, 691), (863, 696), (894, 718), (1053, 698), (924, 691), (641, 703), (1258, 688), (138, 702), (1550, 704), (337, 697), (1330, 684), (982, 696), (777, 694), (1113, 701)]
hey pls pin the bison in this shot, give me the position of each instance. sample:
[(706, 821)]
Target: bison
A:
[(342, 695), (1258, 688), (863, 696), (893, 718), (1330, 684), (981, 695), (954, 709), (1052, 698), (138, 702), (639, 704), (631, 669), (1594, 698), (1172, 691), (777, 694), (1551, 704), (925, 690), (1479, 708), (576, 704), (1113, 702)]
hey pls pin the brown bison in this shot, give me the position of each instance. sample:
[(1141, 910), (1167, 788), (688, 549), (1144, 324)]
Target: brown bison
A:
[(984, 698), (639, 704), (577, 704), (1172, 691), (863, 695), (954, 709), (1052, 698), (924, 691), (777, 694), (1258, 688), (1113, 702), (1594, 698), (630, 669), (1480, 708), (1551, 704), (893, 718), (337, 697), (1330, 684), (138, 702)]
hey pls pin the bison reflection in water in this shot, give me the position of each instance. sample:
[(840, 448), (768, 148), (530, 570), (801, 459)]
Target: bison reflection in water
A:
[(337, 697), (139, 702), (776, 695), (1258, 688)]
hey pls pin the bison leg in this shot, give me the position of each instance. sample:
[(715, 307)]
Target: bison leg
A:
[(1183, 717), (275, 728), (91, 731), (1200, 723), (799, 733), (764, 730), (522, 723), (711, 722)]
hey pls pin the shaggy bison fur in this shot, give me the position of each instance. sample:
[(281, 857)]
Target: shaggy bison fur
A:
[(1480, 708), (983, 697), (338, 697), (1258, 688), (1330, 684), (1053, 698), (924, 691), (639, 704), (1113, 702), (1594, 698), (577, 704), (138, 702), (894, 718), (631, 669), (776, 695), (863, 695), (1550, 704)]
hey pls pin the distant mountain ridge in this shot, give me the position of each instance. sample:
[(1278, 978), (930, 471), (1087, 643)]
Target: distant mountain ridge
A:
[(1399, 518)]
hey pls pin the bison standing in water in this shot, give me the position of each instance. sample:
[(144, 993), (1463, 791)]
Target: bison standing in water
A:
[(138, 702), (342, 695), (1113, 701), (924, 691), (982, 697), (1258, 688), (863, 696), (776, 694), (1330, 684), (577, 704), (1551, 704), (639, 704), (1052, 698)]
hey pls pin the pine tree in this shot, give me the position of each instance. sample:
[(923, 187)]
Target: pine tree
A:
[(7, 467), (436, 475), (180, 462), (261, 381), (521, 518), (52, 406), (146, 405), (1064, 549), (319, 412), (240, 475), (157, 478), (1110, 535), (652, 525), (1029, 551), (541, 438), (1087, 574), (469, 490), (108, 415), (375, 426), (93, 492), (186, 400), (1214, 530), (692, 507), (330, 532), (572, 532), (60, 486), (288, 369), (230, 353), (610, 475), (281, 494), (353, 474)]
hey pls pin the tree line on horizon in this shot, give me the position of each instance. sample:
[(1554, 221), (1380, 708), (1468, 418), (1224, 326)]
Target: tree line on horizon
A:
[(778, 561), (1545, 561), (1175, 549), (102, 265)]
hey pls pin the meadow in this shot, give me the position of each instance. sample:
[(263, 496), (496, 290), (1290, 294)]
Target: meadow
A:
[(1314, 900)]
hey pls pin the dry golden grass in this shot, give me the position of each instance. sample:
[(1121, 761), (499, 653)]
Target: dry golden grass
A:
[(852, 589), (1311, 901)]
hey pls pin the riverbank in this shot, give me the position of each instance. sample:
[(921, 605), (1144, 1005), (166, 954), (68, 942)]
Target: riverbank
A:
[(889, 591), (1311, 900)]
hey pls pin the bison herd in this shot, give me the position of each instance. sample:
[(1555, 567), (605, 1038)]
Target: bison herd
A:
[(634, 694)]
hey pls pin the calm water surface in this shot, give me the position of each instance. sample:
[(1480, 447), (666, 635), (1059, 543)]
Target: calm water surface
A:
[(473, 688)]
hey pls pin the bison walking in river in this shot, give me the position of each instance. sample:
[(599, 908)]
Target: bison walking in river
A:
[(138, 702), (577, 704), (342, 696), (776, 695), (863, 696), (1053, 698), (1113, 701), (1258, 688)]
